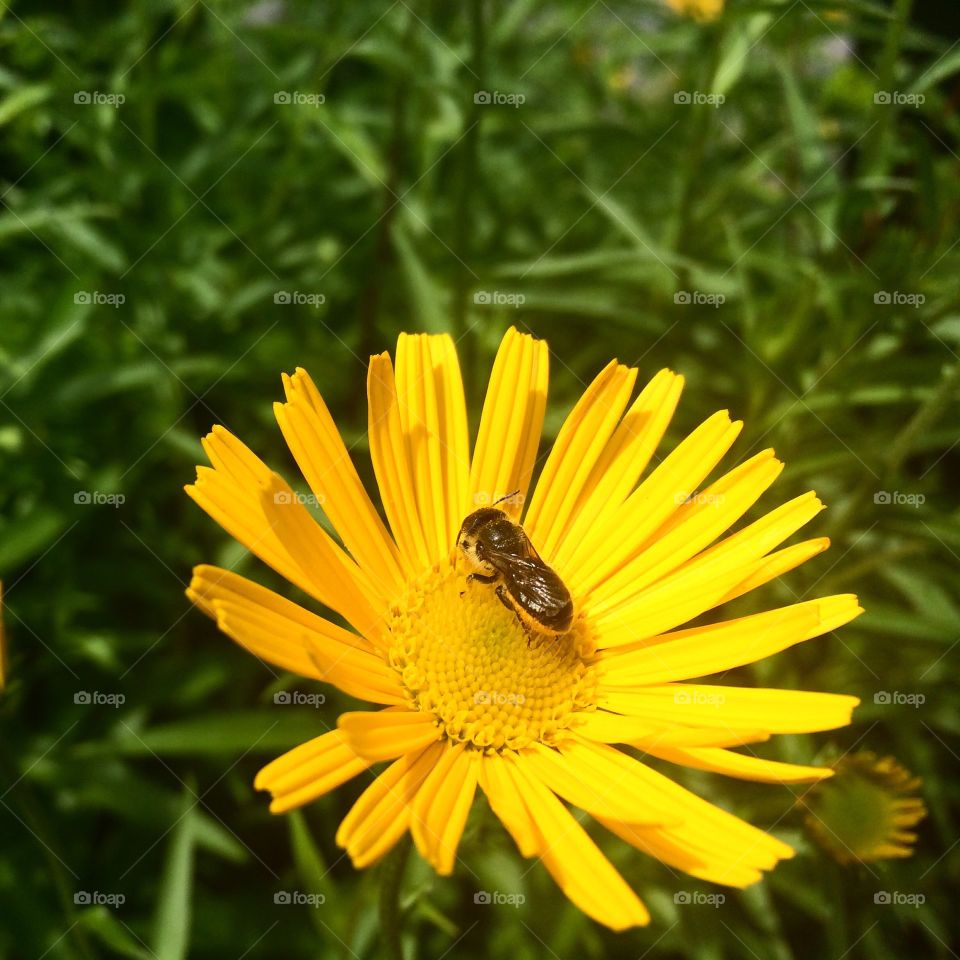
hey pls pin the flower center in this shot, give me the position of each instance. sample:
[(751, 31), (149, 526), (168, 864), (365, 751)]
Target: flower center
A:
[(463, 656)]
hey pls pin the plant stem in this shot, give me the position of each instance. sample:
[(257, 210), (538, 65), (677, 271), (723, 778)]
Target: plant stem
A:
[(390, 884)]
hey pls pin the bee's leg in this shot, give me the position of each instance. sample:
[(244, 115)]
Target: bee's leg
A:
[(482, 577), (502, 597)]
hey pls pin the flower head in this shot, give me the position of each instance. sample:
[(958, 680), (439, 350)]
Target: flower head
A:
[(867, 812), (467, 697)]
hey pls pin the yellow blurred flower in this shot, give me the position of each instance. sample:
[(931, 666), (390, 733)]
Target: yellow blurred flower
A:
[(866, 811), (466, 700), (703, 10)]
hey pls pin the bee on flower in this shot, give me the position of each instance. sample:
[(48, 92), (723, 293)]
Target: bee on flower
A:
[(532, 661)]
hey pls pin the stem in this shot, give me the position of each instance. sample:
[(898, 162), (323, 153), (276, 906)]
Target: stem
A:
[(391, 881), (877, 141)]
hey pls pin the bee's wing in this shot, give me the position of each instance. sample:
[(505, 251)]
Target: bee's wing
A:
[(532, 582)]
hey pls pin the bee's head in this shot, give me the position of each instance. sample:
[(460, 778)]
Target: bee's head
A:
[(471, 537)]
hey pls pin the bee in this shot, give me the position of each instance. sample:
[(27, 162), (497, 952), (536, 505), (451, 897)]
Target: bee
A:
[(500, 552)]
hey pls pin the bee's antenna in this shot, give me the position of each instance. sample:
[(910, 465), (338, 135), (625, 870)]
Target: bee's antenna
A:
[(508, 496)]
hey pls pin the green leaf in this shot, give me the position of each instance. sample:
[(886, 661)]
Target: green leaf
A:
[(171, 937)]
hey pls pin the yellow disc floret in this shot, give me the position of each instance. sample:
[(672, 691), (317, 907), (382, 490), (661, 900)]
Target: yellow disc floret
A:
[(463, 656)]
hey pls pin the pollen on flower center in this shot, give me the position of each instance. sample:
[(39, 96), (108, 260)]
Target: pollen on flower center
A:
[(464, 657)]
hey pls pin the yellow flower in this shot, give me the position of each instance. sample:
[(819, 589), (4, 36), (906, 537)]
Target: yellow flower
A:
[(703, 10), (466, 700)]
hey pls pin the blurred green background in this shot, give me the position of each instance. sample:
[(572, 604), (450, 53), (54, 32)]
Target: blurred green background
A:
[(200, 195)]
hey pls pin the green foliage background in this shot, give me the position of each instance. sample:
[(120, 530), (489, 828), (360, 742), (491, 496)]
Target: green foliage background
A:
[(200, 198)]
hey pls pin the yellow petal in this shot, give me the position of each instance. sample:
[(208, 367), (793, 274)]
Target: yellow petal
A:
[(512, 418), (579, 445), (291, 637), (693, 527), (230, 494), (619, 532), (324, 460), (381, 814), (699, 584), (594, 794), (433, 420), (691, 814), (309, 771), (736, 708), (740, 765), (334, 578), (624, 458), (776, 565), (643, 732), (391, 464), (689, 848), (389, 733), (584, 874), (505, 800), (700, 651), (440, 809)]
